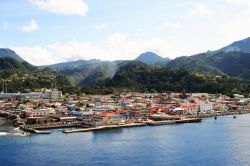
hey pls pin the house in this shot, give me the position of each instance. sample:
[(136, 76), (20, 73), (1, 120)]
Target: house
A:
[(205, 107), (177, 110), (108, 119), (124, 113), (43, 112), (52, 94), (190, 108), (139, 113)]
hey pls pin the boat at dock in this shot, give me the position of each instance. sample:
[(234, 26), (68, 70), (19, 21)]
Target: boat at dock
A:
[(191, 120), (105, 127), (157, 123), (37, 131)]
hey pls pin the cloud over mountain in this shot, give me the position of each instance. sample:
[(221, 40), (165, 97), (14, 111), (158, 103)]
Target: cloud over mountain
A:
[(66, 7)]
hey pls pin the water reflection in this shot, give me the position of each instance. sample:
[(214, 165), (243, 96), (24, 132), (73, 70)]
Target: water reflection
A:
[(225, 141)]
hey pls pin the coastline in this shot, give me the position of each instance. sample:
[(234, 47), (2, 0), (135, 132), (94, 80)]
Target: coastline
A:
[(188, 119)]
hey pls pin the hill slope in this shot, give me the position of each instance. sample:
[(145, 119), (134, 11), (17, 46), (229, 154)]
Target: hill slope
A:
[(137, 76), (238, 46), (150, 58), (5, 52), (234, 64)]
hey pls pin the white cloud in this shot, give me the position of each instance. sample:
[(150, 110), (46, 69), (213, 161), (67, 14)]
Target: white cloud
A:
[(200, 10), (75, 50), (171, 26), (5, 25), (67, 7), (100, 26), (238, 2), (30, 26), (237, 28), (117, 46), (36, 55)]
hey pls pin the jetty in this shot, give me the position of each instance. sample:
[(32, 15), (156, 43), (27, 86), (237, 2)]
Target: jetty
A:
[(166, 122), (36, 131), (191, 120), (54, 125), (157, 123), (151, 123), (105, 127)]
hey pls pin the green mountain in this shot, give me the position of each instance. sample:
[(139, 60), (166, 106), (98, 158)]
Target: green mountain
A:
[(234, 64), (16, 76), (90, 74), (137, 76), (238, 46), (151, 58), (72, 64), (5, 52), (10, 63), (232, 60)]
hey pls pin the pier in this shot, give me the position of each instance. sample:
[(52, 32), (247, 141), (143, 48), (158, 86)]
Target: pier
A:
[(36, 131), (166, 122), (152, 123), (105, 127), (54, 125)]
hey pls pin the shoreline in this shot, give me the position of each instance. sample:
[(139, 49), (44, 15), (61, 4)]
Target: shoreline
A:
[(188, 119)]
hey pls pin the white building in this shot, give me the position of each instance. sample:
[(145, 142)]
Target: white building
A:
[(52, 94), (206, 107)]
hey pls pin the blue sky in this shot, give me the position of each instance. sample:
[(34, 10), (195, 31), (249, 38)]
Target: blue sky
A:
[(51, 31)]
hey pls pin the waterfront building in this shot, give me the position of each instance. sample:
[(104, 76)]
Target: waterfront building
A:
[(52, 94), (205, 107), (109, 118)]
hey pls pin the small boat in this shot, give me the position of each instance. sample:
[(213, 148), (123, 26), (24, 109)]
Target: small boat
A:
[(3, 133), (215, 117), (42, 132), (234, 117), (18, 128)]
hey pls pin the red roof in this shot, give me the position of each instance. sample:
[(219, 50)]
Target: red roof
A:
[(121, 111), (153, 111), (188, 106), (106, 114)]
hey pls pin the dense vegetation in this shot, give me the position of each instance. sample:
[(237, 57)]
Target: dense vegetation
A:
[(90, 74), (137, 76), (234, 64), (211, 72), (5, 52), (19, 76)]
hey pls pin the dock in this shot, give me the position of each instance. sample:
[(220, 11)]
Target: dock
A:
[(54, 125), (105, 127), (191, 120), (36, 131), (152, 123), (166, 122), (157, 123)]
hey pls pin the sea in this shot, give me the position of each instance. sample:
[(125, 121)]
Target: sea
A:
[(221, 142)]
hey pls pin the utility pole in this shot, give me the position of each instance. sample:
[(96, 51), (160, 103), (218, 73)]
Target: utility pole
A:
[(3, 87), (6, 90)]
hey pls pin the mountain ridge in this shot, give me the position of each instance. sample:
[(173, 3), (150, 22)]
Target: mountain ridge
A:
[(6, 52)]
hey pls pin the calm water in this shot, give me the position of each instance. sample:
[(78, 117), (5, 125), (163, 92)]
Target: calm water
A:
[(225, 141)]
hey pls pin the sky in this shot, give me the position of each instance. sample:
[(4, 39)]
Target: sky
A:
[(52, 31)]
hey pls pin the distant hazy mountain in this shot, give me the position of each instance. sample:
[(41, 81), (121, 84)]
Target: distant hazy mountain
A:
[(238, 46), (5, 52), (89, 72), (73, 64), (151, 58)]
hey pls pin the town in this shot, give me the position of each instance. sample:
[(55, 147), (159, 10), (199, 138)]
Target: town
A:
[(49, 109)]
